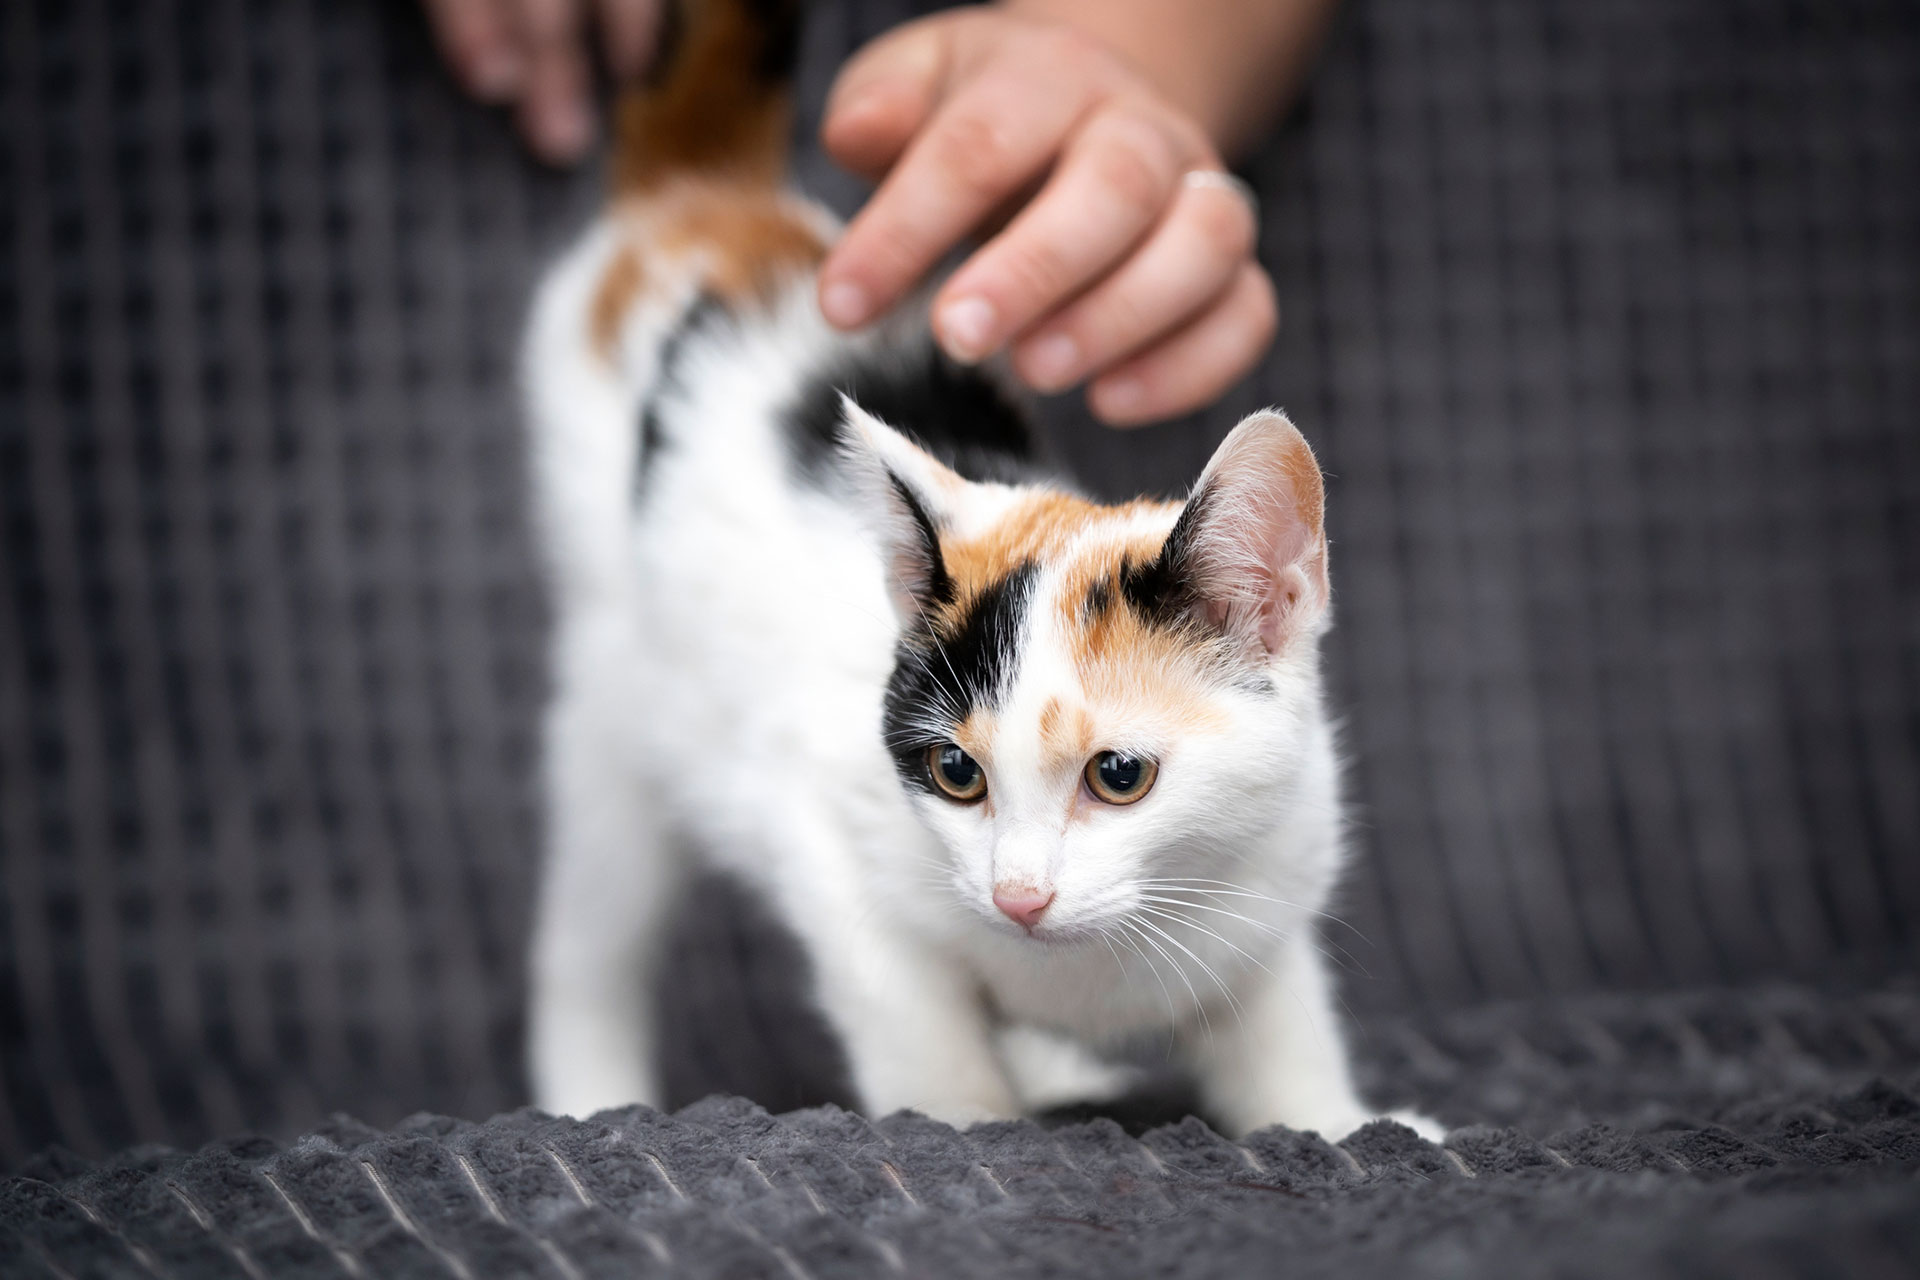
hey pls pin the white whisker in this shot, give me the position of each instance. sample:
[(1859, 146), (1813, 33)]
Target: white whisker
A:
[(1272, 931), (1172, 1016), (1208, 969), (1232, 890), (1198, 1004), (1224, 941)]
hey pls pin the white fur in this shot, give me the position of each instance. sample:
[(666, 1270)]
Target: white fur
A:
[(719, 655)]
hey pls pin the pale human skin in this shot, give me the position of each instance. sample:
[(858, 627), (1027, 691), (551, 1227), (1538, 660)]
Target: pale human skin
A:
[(1082, 140)]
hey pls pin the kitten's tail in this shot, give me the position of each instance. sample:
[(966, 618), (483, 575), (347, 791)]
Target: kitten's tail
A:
[(717, 106), (699, 152)]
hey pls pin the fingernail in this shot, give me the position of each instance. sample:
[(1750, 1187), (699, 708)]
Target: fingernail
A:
[(1118, 397), (1052, 362), (565, 130), (844, 304), (495, 74), (966, 328)]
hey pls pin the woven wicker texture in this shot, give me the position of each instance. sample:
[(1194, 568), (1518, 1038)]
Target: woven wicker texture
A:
[(1605, 316)]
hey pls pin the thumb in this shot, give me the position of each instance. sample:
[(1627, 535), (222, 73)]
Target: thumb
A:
[(883, 95)]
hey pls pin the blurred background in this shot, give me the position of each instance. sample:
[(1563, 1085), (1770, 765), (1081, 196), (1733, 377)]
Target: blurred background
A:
[(1603, 314)]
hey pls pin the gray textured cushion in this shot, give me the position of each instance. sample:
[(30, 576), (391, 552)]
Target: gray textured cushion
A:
[(1604, 315), (1777, 1153)]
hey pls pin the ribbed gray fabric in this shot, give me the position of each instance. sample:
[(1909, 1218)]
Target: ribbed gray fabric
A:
[(1777, 1155), (1604, 316)]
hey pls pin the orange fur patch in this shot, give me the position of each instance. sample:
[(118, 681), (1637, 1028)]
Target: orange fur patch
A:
[(698, 154), (1065, 736), (619, 286), (1122, 661), (713, 112), (974, 735), (1050, 718), (1038, 529), (747, 242), (754, 242), (1125, 666)]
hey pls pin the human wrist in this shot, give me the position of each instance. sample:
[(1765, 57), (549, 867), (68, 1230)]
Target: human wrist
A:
[(1230, 66)]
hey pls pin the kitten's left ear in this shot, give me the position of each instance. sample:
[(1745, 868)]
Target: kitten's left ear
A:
[(1251, 545), (904, 493)]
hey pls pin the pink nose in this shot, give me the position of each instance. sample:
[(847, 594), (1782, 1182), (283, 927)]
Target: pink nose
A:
[(1022, 905)]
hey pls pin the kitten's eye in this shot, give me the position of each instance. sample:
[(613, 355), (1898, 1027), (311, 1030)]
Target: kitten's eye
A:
[(957, 774), (1118, 778)]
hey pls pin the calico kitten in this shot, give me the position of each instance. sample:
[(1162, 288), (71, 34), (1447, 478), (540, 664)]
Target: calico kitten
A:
[(999, 756)]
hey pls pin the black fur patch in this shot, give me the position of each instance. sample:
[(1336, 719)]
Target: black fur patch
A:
[(705, 312), (1163, 590), (960, 668), (955, 413), (1099, 599), (776, 41), (780, 22), (939, 587), (1166, 591), (652, 436)]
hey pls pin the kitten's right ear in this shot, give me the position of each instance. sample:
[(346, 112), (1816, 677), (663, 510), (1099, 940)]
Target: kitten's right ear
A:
[(1249, 552), (903, 492)]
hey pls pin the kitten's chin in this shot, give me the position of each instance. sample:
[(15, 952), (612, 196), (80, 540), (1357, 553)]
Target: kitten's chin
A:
[(989, 921), (1045, 934)]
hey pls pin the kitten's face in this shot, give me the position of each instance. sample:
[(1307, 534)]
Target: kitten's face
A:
[(1090, 699)]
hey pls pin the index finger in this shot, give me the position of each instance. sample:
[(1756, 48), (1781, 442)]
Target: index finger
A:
[(631, 29), (481, 44), (989, 140)]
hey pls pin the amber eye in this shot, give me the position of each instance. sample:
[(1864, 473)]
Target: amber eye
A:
[(1119, 778), (957, 774)]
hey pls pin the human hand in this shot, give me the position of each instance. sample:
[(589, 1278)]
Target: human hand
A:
[(533, 55), (1133, 264)]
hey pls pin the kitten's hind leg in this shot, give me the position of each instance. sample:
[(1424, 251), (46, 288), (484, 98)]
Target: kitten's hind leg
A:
[(609, 874)]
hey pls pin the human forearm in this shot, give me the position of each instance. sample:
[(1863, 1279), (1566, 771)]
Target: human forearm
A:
[(1233, 65)]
